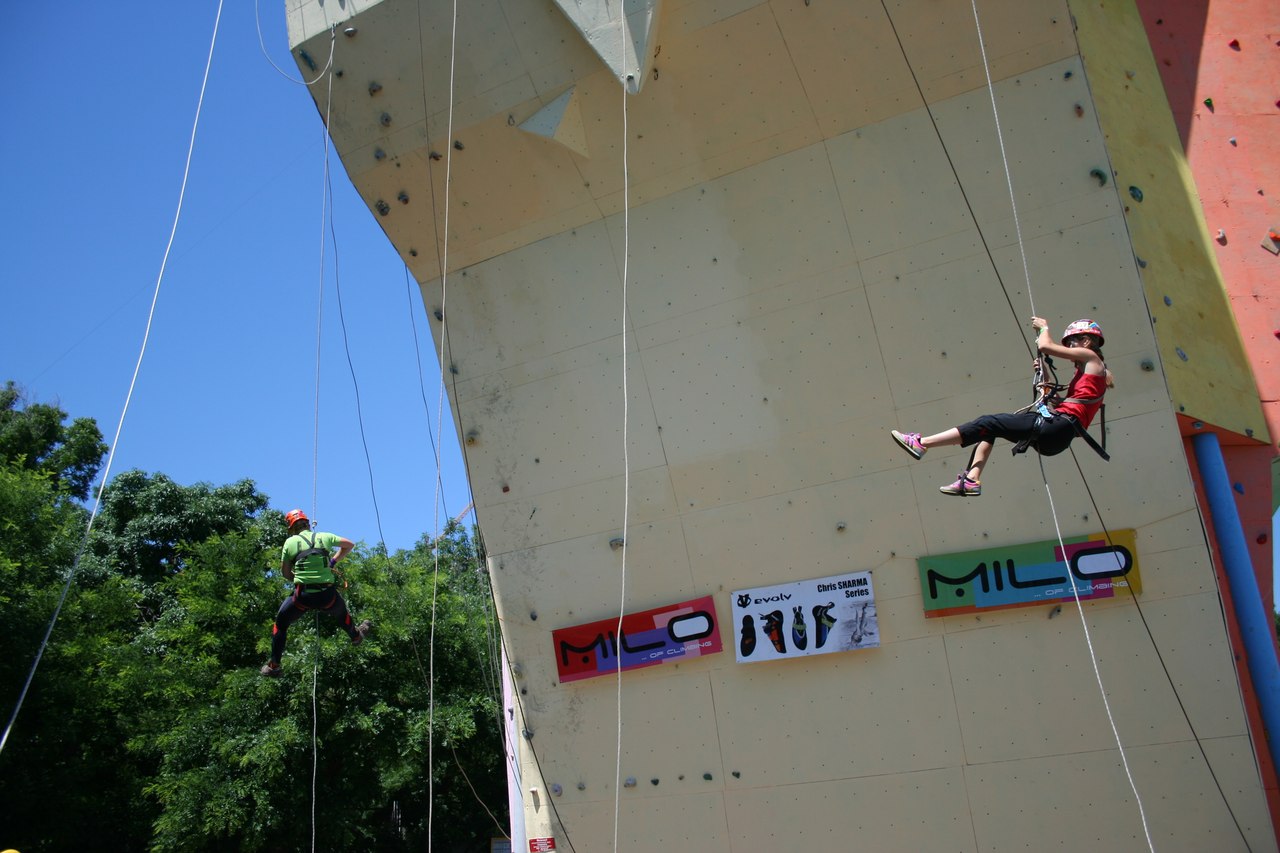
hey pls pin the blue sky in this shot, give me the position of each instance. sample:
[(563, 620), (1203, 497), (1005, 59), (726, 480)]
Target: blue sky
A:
[(98, 106)]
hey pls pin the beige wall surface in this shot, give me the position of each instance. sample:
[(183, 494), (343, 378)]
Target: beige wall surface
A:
[(815, 254)]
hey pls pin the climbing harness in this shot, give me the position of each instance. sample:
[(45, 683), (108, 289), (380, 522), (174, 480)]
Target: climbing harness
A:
[(1046, 405)]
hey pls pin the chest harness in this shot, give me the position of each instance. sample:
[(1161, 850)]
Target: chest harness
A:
[(311, 551)]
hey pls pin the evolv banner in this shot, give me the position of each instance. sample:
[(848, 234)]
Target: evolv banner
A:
[(834, 614), (673, 632), (1006, 576)]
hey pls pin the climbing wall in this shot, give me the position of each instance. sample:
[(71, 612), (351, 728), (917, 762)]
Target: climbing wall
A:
[(809, 201)]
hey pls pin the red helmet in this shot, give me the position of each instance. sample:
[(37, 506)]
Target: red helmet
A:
[(1083, 327), (293, 516)]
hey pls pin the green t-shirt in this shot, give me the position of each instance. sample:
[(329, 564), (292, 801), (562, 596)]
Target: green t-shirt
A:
[(313, 568)]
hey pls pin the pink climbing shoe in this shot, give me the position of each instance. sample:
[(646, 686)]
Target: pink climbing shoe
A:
[(910, 442), (962, 488)]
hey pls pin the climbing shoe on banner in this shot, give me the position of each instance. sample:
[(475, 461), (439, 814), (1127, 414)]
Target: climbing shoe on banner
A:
[(823, 620), (798, 636), (748, 642)]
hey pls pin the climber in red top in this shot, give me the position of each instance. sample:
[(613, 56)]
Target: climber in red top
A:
[(1049, 427)]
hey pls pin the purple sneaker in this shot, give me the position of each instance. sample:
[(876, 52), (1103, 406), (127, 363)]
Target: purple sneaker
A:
[(962, 488), (910, 442)]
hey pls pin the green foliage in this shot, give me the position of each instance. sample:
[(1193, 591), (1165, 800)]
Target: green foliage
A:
[(148, 726), (373, 706), (145, 521), (35, 437)]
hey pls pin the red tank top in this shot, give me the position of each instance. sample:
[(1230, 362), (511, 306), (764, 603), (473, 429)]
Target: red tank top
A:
[(1084, 385)]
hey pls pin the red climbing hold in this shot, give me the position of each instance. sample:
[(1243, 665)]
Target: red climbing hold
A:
[(1234, 44)]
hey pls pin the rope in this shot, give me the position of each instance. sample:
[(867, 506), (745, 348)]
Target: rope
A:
[(956, 173), (257, 19), (626, 420), (1102, 691), (444, 296), (355, 384), (1093, 659), (1160, 657), (115, 441), (1008, 177), (315, 725), (325, 213)]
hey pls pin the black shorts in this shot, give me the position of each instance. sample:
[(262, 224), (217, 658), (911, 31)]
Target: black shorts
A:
[(1055, 433)]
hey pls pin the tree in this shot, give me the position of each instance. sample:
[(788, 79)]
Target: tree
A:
[(147, 725), (146, 520), (36, 437), (373, 706)]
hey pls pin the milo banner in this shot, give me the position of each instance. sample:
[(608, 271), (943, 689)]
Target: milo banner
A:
[(835, 614), (673, 632), (1023, 575)]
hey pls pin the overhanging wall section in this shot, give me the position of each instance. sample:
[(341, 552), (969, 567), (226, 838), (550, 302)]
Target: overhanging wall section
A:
[(809, 265)]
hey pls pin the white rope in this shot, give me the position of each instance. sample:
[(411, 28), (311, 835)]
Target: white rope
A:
[(444, 296), (1013, 204), (325, 214), (626, 420), (1093, 658), (106, 471), (333, 34)]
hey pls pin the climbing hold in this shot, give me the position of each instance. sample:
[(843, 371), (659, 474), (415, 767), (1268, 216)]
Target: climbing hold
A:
[(403, 198), (435, 155), (1142, 265), (1128, 74), (1208, 102), (556, 789), (1222, 236), (350, 32), (616, 542), (1262, 539), (1234, 44), (1135, 193), (630, 782), (1168, 301), (1182, 355), (1100, 175), (457, 144), (305, 57), (1147, 365), (413, 253), (1239, 487), (385, 120), (375, 87), (382, 207), (653, 781), (582, 786), (379, 154), (706, 776), (1232, 140), (1079, 110), (737, 775), (1066, 75)]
